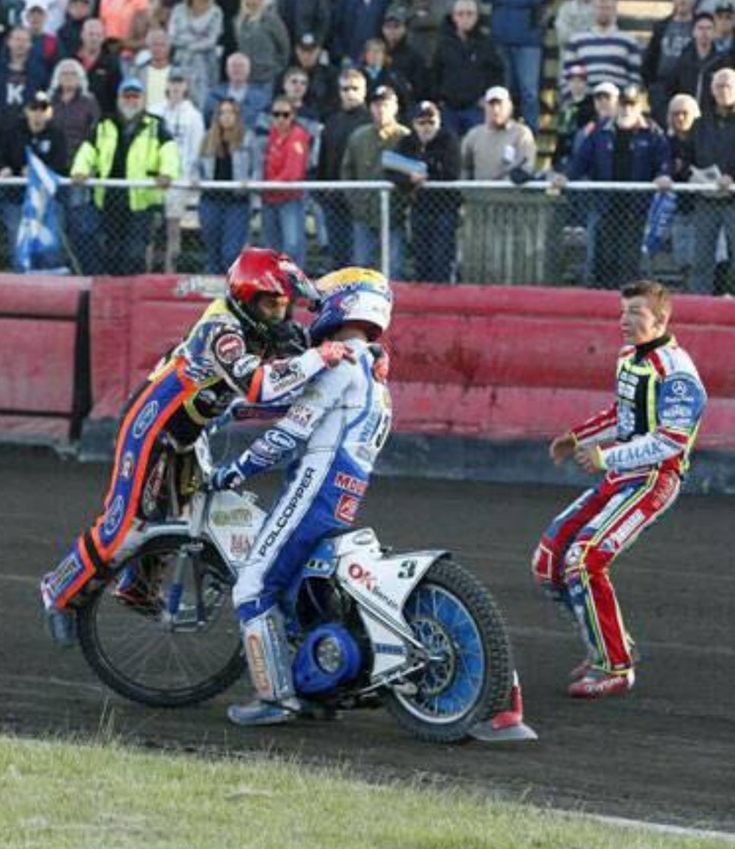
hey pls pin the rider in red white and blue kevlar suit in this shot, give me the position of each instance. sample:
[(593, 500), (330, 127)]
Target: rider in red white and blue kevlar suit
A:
[(649, 432), (221, 357), (331, 436)]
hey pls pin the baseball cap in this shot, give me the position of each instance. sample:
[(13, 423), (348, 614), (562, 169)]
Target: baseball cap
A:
[(630, 94), (497, 92), (131, 84), (606, 88), (426, 109), (383, 92), (40, 100), (177, 75), (308, 41), (396, 13), (576, 71)]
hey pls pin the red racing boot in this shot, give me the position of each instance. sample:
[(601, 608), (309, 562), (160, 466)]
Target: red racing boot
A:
[(597, 684)]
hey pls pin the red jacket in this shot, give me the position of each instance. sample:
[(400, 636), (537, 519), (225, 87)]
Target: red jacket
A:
[(286, 158)]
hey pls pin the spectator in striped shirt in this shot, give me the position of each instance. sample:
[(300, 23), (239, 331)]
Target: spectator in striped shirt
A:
[(608, 54)]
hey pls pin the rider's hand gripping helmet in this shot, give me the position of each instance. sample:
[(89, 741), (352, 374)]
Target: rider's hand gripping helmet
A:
[(262, 271), (356, 295)]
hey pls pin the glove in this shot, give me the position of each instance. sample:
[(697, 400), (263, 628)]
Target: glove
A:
[(226, 477), (381, 366), (289, 339), (334, 352)]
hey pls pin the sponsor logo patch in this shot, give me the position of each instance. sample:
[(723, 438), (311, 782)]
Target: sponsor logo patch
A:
[(229, 347), (114, 515), (346, 509), (350, 484), (127, 466), (145, 419), (287, 513)]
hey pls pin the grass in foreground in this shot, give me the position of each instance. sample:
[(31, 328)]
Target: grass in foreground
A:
[(66, 796)]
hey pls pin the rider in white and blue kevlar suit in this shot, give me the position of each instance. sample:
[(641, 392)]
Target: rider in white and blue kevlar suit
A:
[(332, 436)]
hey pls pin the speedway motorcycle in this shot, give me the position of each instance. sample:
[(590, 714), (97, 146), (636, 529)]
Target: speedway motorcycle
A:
[(414, 631)]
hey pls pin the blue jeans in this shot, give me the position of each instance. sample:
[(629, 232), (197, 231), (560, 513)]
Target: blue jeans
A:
[(459, 121), (710, 215), (366, 249), (523, 77), (284, 228), (225, 228)]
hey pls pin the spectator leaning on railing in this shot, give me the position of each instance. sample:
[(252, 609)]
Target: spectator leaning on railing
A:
[(501, 148), (712, 150), (608, 54), (626, 149)]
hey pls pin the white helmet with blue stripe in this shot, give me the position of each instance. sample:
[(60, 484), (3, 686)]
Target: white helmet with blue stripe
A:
[(356, 295)]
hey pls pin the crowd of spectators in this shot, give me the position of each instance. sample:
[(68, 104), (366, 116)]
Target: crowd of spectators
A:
[(407, 90)]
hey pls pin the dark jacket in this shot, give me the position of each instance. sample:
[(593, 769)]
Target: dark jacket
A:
[(712, 142), (354, 22), (336, 132), (70, 36), (104, 78), (570, 119), (16, 89), (652, 54), (390, 76), (694, 75), (48, 145), (517, 23), (75, 119), (407, 62), (306, 16), (465, 69), (442, 158), (650, 154)]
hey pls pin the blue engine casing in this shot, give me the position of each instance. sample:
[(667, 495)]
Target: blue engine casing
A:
[(309, 677)]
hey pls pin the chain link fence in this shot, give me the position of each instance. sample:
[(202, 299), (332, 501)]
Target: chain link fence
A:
[(589, 234)]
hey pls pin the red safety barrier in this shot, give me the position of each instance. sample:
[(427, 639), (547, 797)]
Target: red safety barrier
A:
[(483, 361), (44, 356)]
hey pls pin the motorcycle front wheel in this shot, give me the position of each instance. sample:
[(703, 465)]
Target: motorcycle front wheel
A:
[(163, 632), (469, 676)]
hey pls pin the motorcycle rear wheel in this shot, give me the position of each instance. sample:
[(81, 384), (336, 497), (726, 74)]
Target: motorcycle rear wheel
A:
[(460, 624), (152, 657)]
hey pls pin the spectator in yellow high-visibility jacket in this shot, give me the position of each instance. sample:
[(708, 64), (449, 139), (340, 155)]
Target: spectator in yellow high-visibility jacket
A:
[(132, 145)]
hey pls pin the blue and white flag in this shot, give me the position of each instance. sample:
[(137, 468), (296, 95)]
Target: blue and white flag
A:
[(38, 234)]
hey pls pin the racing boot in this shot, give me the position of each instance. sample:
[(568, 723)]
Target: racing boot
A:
[(269, 663), (598, 683)]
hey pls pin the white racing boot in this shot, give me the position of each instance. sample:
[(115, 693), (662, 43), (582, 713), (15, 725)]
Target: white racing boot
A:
[(269, 663)]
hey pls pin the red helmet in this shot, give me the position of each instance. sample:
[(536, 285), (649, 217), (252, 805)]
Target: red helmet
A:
[(265, 271)]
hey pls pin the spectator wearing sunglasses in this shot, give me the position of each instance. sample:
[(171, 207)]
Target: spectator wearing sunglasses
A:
[(286, 159), (353, 113)]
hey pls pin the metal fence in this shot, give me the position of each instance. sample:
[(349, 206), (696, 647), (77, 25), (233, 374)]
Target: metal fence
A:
[(589, 234)]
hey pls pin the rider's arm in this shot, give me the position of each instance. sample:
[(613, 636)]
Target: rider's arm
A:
[(679, 408), (286, 439), (598, 428)]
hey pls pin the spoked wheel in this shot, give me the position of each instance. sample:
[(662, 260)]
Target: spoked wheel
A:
[(468, 678), (163, 633)]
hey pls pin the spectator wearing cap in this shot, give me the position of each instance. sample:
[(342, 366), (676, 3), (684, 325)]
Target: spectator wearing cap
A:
[(698, 63), (500, 148), (185, 124), (101, 66), (130, 145), (353, 113), (724, 26), (712, 145), (252, 98), (263, 37), (306, 17), (465, 66), (379, 73), (670, 37), (517, 27), (624, 149), (434, 215), (70, 31), (44, 45), (576, 111), (572, 17), (321, 94), (608, 54), (353, 23), (36, 131), (195, 29), (401, 57), (362, 160), (20, 78), (153, 65), (286, 160), (227, 154)]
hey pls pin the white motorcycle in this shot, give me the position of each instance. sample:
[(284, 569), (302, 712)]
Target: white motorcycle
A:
[(414, 631)]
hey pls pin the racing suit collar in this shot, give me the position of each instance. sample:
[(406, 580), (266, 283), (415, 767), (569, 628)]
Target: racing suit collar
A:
[(647, 347)]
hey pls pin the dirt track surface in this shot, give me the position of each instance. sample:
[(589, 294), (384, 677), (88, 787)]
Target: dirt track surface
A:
[(665, 753)]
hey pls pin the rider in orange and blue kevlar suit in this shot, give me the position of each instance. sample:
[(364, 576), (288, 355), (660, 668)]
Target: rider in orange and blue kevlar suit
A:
[(221, 358), (642, 442)]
